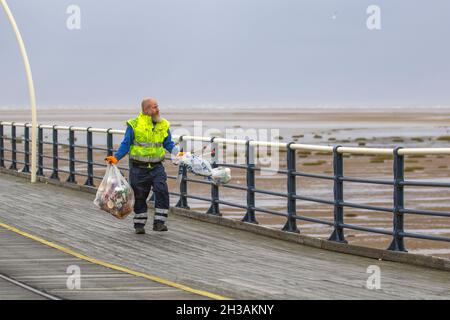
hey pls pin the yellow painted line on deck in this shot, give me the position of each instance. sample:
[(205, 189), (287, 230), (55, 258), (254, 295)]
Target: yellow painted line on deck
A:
[(114, 267)]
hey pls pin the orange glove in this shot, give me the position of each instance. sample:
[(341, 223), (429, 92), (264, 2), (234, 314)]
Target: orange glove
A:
[(112, 159), (180, 154)]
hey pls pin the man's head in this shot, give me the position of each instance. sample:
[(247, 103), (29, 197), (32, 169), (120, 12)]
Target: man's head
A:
[(150, 107)]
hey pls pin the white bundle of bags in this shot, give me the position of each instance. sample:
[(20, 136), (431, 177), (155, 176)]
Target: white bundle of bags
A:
[(202, 167)]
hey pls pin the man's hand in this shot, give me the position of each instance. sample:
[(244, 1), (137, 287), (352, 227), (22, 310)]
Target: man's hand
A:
[(177, 157), (111, 160)]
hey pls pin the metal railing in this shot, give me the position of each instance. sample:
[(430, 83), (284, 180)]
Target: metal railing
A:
[(338, 202)]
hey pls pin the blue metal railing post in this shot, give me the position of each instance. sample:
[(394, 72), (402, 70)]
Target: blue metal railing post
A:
[(250, 164), (182, 203), (397, 243), (71, 178), (55, 153), (40, 168), (338, 190), (26, 137), (291, 223), (90, 163), (2, 147), (13, 148), (214, 208)]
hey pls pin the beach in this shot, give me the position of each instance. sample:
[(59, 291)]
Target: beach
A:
[(377, 126), (347, 127)]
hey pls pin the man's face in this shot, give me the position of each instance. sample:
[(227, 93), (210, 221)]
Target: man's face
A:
[(152, 108)]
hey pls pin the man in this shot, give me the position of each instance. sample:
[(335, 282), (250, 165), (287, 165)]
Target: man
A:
[(146, 140)]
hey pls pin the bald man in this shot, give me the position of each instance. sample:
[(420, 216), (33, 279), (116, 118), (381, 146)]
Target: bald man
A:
[(146, 140)]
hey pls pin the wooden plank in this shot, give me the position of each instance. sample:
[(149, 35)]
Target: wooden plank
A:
[(10, 291), (46, 269)]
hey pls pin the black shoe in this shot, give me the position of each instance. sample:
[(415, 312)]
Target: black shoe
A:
[(139, 230), (159, 226)]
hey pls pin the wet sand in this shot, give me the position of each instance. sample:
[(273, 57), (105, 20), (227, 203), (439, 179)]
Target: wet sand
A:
[(420, 128), (379, 127)]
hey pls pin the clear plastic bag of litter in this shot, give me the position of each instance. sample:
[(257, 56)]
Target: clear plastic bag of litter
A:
[(220, 175), (115, 195), (202, 167)]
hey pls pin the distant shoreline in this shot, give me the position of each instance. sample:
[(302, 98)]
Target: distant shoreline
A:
[(235, 108)]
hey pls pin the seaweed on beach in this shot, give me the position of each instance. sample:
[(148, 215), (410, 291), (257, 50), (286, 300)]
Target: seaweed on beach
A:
[(413, 156), (315, 163), (443, 138), (414, 168), (323, 153), (304, 154), (380, 158)]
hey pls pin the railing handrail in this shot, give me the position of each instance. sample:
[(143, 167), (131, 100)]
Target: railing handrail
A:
[(283, 145), (397, 182)]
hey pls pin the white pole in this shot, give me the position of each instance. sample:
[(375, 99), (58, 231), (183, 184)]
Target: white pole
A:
[(30, 89)]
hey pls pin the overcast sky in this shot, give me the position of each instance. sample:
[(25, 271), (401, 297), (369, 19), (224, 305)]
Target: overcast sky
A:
[(229, 52)]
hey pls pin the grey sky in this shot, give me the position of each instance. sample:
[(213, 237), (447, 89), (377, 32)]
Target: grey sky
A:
[(229, 52)]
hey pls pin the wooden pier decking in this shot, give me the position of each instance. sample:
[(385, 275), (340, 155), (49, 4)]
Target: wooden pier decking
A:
[(47, 269), (213, 259)]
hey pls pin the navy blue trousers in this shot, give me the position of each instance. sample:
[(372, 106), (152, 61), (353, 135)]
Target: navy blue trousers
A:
[(143, 180)]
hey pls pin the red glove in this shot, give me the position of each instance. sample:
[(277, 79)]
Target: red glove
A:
[(112, 160)]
